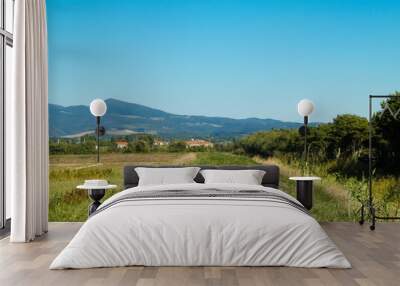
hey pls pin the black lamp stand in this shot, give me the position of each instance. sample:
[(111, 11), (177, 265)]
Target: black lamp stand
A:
[(100, 131), (305, 140), (98, 137), (303, 132)]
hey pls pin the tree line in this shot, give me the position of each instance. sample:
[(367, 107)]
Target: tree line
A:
[(343, 142), (143, 143)]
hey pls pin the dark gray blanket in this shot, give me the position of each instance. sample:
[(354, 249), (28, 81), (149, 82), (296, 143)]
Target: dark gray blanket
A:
[(204, 193)]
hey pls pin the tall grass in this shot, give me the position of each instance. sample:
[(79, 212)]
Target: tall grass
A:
[(331, 201), (219, 158), (386, 192), (349, 192), (66, 203)]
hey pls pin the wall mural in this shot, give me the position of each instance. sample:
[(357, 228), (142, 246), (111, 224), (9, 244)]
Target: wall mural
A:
[(218, 82)]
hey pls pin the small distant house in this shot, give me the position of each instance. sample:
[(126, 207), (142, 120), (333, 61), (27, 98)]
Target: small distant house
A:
[(198, 143), (160, 143), (121, 144)]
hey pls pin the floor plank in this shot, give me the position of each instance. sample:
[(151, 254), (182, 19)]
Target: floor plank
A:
[(375, 257)]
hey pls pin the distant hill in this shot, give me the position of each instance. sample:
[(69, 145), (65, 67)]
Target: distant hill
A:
[(124, 118)]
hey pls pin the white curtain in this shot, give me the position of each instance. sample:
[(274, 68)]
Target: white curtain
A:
[(27, 123)]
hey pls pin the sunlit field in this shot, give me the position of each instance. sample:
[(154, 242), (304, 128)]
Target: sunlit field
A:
[(66, 203)]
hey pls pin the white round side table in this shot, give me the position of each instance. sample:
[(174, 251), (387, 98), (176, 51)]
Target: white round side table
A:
[(96, 193)]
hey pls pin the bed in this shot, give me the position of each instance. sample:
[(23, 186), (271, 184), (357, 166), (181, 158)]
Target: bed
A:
[(198, 224)]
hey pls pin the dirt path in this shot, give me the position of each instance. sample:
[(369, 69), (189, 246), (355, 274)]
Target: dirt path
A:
[(186, 158)]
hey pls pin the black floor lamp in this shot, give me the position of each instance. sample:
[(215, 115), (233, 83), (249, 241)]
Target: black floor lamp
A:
[(305, 107), (98, 108), (304, 183)]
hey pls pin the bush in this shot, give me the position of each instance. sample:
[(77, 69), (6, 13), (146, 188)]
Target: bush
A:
[(141, 146), (177, 146)]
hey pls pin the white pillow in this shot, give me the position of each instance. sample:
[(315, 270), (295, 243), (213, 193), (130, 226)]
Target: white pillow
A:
[(166, 176), (248, 177)]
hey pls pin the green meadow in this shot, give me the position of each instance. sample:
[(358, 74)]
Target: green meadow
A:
[(66, 203)]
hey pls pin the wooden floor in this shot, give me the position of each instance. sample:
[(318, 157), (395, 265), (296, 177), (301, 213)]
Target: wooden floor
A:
[(375, 257)]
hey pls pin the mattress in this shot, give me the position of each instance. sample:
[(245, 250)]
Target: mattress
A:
[(201, 225)]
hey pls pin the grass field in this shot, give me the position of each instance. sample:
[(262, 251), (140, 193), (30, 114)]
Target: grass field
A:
[(216, 158), (66, 203), (331, 201)]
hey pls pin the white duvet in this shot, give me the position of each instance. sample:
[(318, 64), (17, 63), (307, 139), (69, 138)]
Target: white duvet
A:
[(200, 231)]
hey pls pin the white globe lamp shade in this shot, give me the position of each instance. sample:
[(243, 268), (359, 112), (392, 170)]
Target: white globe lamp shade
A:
[(305, 107), (98, 107)]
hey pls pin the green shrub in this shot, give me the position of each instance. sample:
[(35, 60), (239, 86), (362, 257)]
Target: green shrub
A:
[(177, 146)]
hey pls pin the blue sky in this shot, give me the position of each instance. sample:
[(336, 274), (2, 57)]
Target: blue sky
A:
[(225, 58)]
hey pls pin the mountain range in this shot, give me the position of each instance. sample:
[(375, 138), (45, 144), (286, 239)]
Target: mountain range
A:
[(124, 118)]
